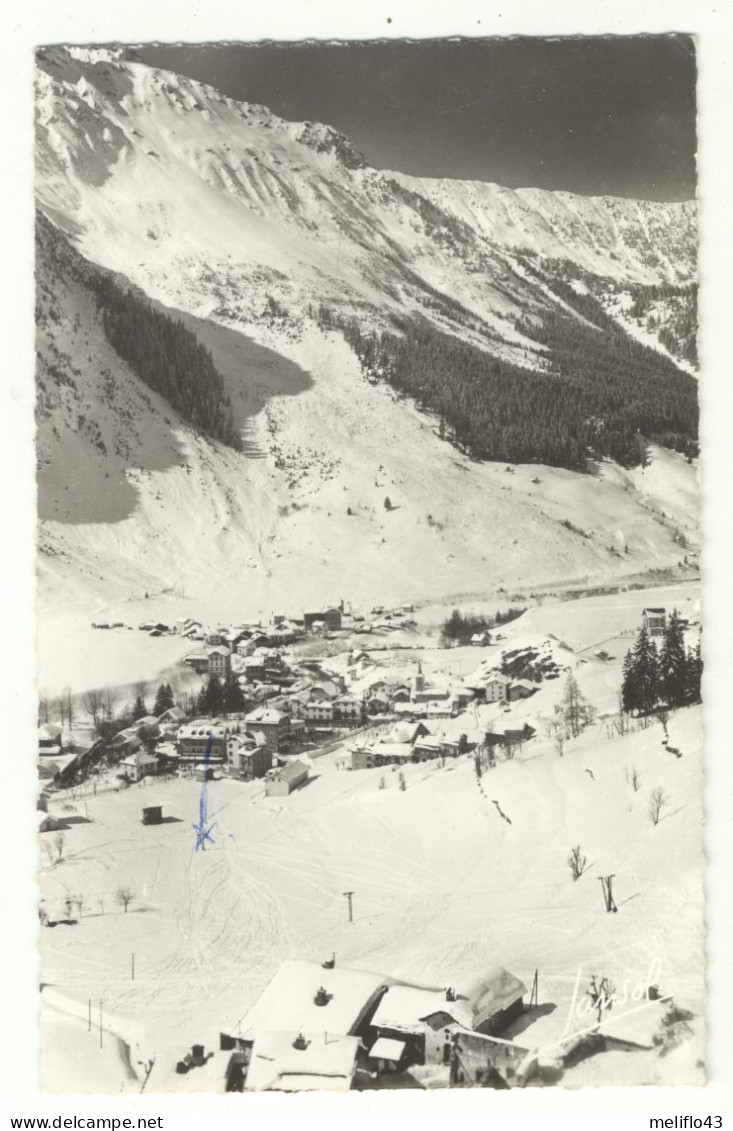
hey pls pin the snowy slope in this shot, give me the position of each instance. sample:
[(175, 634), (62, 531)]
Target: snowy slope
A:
[(214, 208)]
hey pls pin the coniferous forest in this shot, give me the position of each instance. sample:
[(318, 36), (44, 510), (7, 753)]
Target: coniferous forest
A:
[(169, 359), (601, 393)]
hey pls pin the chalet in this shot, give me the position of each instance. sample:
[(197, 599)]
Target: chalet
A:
[(126, 741), (497, 687), (408, 732), (416, 1015), (462, 696), (249, 754), (381, 754), (148, 726), (401, 693), (281, 782), (214, 637), (275, 726), (521, 689), (199, 661), (654, 621), (253, 668), (477, 1059), (480, 639), (219, 661), (50, 742), (508, 734), (377, 703), (307, 997), (139, 765), (170, 721), (439, 710)]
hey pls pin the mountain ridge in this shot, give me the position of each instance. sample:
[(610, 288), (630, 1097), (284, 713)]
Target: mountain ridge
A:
[(217, 211)]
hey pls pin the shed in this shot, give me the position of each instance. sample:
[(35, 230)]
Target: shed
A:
[(282, 781), (152, 814)]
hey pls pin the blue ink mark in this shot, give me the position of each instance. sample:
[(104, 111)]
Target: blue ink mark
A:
[(202, 832)]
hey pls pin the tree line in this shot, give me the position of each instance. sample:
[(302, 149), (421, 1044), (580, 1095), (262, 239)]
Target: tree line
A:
[(601, 392), (460, 627), (168, 358), (670, 676)]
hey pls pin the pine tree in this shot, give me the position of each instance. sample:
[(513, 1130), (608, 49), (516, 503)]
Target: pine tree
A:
[(163, 699), (139, 710), (629, 690), (211, 698), (673, 665), (694, 675), (645, 663)]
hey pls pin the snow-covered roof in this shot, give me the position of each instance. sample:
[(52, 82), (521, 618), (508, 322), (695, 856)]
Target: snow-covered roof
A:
[(492, 992), (200, 729), (387, 1048), (293, 1061), (139, 759), (288, 1002), (292, 771), (49, 732), (265, 715), (404, 1008), (392, 749)]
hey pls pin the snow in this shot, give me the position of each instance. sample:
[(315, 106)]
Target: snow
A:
[(241, 210), (444, 887)]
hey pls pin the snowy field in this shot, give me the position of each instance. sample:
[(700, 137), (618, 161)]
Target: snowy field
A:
[(444, 885)]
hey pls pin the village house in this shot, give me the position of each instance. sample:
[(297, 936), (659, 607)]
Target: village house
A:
[(480, 640), (195, 738), (508, 734), (148, 726), (219, 661), (253, 668), (50, 743), (249, 754), (199, 661), (319, 711), (347, 709), (282, 780), (425, 1020), (330, 618), (376, 703), (139, 765), (274, 725), (655, 621), (521, 689), (497, 688), (378, 754)]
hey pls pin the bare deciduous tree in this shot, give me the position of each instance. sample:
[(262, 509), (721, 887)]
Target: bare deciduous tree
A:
[(559, 743), (58, 842), (577, 862), (657, 801), (124, 896), (93, 705)]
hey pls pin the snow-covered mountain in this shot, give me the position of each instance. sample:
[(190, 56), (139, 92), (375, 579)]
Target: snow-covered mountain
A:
[(245, 225)]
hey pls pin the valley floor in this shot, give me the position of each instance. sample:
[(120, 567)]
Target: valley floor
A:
[(444, 886)]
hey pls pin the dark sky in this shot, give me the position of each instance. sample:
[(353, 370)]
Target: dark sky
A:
[(595, 115)]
